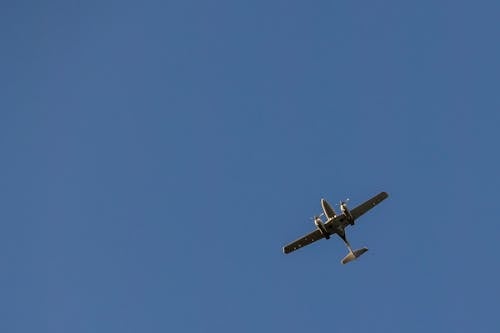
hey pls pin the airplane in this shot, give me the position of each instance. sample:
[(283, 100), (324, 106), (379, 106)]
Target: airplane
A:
[(335, 224)]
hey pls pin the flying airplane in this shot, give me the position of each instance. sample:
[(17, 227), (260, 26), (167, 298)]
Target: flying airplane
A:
[(335, 224)]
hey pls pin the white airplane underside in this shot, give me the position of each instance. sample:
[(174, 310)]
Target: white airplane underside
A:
[(336, 224)]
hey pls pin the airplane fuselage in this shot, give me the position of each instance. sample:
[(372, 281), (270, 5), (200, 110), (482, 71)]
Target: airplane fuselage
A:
[(327, 209)]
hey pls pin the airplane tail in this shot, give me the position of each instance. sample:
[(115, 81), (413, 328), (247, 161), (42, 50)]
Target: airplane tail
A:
[(353, 255)]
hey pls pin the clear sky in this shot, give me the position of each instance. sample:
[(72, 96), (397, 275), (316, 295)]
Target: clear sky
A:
[(156, 156)]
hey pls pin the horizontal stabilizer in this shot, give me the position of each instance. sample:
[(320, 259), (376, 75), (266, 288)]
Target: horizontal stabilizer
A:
[(354, 255)]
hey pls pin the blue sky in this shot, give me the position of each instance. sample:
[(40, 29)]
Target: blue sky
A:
[(157, 155)]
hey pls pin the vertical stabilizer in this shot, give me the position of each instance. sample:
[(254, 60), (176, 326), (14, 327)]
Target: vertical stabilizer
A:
[(351, 256)]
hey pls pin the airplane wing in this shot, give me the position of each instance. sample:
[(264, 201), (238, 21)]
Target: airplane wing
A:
[(369, 204), (301, 242)]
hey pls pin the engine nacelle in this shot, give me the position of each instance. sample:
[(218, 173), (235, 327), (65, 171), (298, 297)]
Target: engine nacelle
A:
[(321, 227), (346, 212)]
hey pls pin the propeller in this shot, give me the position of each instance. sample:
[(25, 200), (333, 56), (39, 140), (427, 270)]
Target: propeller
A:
[(313, 218), (342, 202)]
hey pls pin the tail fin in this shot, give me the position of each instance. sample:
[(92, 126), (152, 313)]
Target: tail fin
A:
[(353, 255)]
